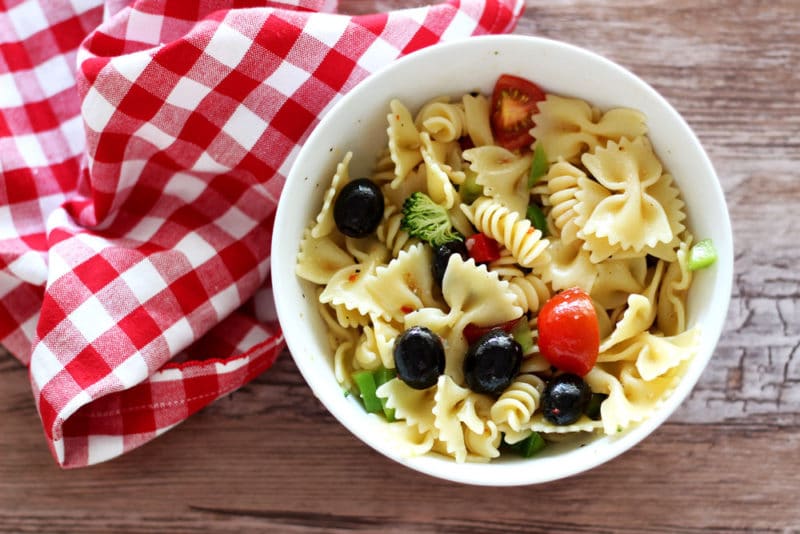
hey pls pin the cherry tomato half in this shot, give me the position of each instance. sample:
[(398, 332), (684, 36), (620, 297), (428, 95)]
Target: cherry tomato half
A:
[(513, 106), (569, 336)]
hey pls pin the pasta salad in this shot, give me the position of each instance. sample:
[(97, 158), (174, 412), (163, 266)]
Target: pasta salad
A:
[(514, 270)]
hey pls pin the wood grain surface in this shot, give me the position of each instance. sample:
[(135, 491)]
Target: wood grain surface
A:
[(270, 458)]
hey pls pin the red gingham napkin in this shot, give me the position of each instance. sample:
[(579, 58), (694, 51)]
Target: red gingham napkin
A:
[(143, 147)]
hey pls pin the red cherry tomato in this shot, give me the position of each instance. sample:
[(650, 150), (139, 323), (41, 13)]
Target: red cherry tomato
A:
[(482, 248), (513, 106), (569, 336)]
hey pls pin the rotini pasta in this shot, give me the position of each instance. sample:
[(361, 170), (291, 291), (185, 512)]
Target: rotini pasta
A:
[(443, 121), (506, 266), (530, 290), (517, 404), (562, 187), (518, 235)]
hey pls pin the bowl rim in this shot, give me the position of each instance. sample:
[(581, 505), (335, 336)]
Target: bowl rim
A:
[(500, 473)]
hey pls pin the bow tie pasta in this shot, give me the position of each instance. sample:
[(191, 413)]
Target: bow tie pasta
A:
[(475, 238)]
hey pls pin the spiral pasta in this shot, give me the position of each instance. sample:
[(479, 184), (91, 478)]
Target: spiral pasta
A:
[(506, 265), (518, 402), (562, 186), (442, 120), (530, 290), (518, 235)]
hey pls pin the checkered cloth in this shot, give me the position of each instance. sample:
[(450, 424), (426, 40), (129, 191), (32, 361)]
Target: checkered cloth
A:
[(143, 147)]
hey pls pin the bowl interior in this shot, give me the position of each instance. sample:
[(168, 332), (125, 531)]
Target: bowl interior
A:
[(357, 123)]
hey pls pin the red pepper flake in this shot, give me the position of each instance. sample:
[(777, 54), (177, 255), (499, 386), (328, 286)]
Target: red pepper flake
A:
[(406, 309), (353, 277)]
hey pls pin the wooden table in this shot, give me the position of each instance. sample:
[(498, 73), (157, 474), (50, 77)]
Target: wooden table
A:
[(269, 457)]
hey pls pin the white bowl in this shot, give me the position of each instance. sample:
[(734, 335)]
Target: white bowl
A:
[(357, 123)]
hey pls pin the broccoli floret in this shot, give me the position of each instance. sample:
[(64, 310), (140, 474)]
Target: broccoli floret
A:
[(427, 220)]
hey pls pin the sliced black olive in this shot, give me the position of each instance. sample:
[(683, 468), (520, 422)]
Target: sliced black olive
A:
[(441, 255), (565, 398), (492, 362), (419, 357), (358, 208)]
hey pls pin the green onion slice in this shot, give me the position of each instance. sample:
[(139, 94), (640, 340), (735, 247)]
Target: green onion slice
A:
[(535, 214), (522, 334), (381, 376), (539, 167), (701, 255), (365, 381), (529, 446), (470, 189)]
